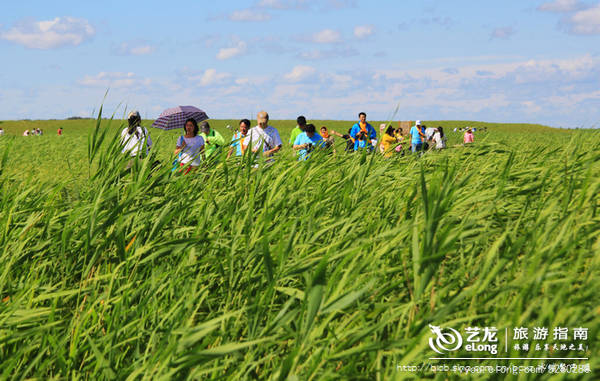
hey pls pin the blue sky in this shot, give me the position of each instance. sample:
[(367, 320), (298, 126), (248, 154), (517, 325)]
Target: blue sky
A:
[(497, 61)]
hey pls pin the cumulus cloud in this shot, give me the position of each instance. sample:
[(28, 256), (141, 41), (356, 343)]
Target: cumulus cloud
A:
[(250, 15), (204, 78), (212, 77), (326, 36), (560, 6), (300, 73), (134, 48), (363, 31), (238, 49), (586, 21), (50, 34), (114, 80), (503, 33)]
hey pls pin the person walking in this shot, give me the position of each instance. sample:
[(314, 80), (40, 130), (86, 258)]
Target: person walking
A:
[(468, 137), (213, 140), (264, 136), (300, 128), (388, 142), (135, 137), (418, 137), (308, 141), (363, 133), (439, 139), (238, 138), (190, 146)]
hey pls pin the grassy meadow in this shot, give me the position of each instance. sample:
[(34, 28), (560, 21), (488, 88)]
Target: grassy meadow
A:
[(332, 268)]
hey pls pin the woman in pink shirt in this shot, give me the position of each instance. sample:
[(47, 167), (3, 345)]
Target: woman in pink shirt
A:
[(468, 136)]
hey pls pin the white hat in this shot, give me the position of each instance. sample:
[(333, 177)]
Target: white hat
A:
[(134, 113), (418, 123)]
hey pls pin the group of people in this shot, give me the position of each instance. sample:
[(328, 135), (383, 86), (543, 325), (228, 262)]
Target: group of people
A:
[(199, 141), (33, 132)]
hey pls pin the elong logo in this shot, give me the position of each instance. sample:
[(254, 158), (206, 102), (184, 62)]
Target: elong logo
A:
[(445, 341)]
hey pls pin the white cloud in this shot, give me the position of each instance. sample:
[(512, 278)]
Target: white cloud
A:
[(363, 31), (50, 34), (326, 36), (114, 80), (227, 53), (249, 15), (502, 33), (560, 6), (586, 21), (212, 77), (133, 49), (208, 77), (300, 73)]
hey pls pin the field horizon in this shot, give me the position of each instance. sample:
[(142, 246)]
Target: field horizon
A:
[(345, 266)]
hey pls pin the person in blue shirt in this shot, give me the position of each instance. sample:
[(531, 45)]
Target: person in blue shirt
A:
[(367, 131), (236, 139), (418, 137), (307, 141)]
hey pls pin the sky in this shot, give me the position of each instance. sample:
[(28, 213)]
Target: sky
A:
[(495, 61)]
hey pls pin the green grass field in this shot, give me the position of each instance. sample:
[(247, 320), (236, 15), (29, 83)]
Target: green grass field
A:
[(332, 268)]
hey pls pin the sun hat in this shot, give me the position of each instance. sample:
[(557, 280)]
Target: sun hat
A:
[(134, 113), (418, 123)]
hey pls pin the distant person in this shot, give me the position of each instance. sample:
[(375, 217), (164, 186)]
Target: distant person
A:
[(327, 137), (41, 132), (429, 131), (26, 133), (454, 129), (366, 131), (418, 137), (439, 139), (135, 137), (190, 146), (264, 136), (382, 128), (308, 141), (213, 140), (1, 131), (238, 138), (60, 131), (300, 128), (468, 137), (400, 139), (389, 141), (347, 138)]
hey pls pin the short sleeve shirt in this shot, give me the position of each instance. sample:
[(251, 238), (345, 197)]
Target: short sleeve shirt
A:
[(416, 137), (191, 151), (316, 141), (267, 137), (236, 142)]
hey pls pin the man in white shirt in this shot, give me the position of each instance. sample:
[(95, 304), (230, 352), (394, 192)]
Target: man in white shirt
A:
[(263, 135)]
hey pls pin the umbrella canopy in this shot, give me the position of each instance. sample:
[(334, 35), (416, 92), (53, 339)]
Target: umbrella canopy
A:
[(173, 118)]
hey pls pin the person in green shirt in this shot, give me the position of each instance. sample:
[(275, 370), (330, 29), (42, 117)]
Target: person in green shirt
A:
[(300, 128), (212, 138)]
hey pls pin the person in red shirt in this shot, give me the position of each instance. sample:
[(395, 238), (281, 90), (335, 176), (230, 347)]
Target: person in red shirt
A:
[(59, 131)]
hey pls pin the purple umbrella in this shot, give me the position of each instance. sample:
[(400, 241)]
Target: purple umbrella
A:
[(173, 118)]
